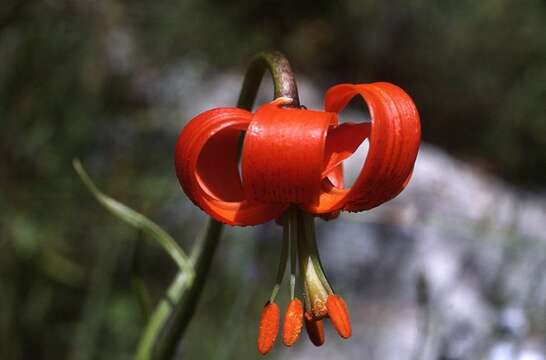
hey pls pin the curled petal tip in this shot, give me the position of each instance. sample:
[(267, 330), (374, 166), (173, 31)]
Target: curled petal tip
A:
[(207, 160), (393, 143), (282, 100), (293, 322), (339, 315), (315, 329), (269, 327)]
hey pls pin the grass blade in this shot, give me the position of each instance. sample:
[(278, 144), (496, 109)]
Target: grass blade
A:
[(137, 220)]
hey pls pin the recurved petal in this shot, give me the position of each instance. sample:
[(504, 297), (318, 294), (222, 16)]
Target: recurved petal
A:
[(341, 142), (394, 140), (283, 154), (394, 143), (206, 162)]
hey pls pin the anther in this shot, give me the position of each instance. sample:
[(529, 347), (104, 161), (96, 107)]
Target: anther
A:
[(293, 322), (339, 315), (315, 329), (269, 327)]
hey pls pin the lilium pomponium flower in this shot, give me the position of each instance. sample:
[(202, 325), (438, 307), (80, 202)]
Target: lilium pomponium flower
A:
[(291, 170)]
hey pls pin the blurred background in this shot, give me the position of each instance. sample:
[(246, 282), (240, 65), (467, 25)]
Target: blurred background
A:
[(451, 269)]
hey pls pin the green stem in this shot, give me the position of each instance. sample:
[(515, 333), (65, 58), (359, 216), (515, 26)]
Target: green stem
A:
[(173, 313), (281, 72)]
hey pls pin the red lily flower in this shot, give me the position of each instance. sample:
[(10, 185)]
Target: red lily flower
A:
[(292, 158), (295, 155)]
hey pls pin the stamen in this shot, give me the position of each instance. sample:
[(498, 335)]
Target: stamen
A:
[(269, 327), (315, 329), (293, 322), (293, 240), (339, 315), (284, 256)]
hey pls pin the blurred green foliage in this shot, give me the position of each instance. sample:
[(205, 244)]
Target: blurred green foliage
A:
[(476, 69)]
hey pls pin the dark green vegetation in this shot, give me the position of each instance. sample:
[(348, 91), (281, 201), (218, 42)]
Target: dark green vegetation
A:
[(69, 273)]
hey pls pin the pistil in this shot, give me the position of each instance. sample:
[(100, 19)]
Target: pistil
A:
[(320, 299), (316, 286), (270, 317)]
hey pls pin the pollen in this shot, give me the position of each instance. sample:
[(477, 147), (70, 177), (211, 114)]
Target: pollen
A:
[(269, 327), (293, 322)]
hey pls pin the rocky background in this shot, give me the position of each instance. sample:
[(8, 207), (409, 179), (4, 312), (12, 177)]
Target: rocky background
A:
[(451, 269)]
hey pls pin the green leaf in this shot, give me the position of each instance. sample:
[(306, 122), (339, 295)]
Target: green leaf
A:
[(138, 221)]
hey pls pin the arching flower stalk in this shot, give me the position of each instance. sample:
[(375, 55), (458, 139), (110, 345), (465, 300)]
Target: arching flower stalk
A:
[(291, 170)]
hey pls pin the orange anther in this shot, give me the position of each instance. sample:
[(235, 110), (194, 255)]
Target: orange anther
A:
[(339, 315), (315, 329), (269, 327), (293, 322)]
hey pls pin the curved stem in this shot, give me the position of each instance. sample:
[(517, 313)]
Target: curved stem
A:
[(174, 312), (281, 72)]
